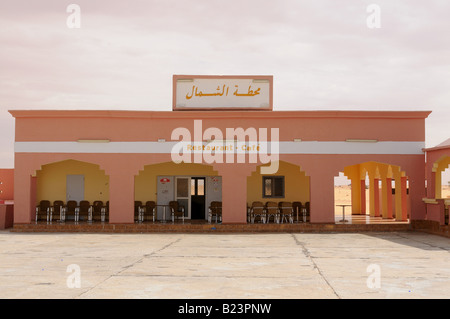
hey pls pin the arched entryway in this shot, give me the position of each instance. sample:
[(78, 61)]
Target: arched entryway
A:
[(70, 180), (377, 190), (441, 167), (290, 184), (192, 186)]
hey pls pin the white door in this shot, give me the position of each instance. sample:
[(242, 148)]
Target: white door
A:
[(183, 194), (165, 188), (75, 188)]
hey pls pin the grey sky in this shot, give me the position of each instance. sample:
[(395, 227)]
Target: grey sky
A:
[(321, 53)]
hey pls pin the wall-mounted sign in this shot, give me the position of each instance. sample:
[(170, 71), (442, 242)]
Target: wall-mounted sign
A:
[(164, 180), (226, 92)]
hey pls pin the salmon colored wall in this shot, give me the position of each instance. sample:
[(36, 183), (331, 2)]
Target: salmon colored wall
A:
[(7, 184), (296, 185), (134, 125), (146, 181), (51, 181)]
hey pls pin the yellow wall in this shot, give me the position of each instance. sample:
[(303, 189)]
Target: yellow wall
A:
[(51, 181), (145, 183), (296, 185)]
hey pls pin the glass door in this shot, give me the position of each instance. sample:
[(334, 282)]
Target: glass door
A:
[(197, 197)]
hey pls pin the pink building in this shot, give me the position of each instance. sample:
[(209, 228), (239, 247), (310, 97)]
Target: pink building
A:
[(127, 157)]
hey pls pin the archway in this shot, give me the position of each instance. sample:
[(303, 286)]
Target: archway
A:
[(289, 184), (377, 190), (70, 180), (442, 180), (192, 186)]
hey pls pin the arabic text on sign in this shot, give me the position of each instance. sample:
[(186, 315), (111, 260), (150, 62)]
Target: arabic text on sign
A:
[(221, 91)]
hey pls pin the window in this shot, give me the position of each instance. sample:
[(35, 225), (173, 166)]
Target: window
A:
[(273, 186)]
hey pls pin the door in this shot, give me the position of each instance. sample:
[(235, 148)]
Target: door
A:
[(75, 188), (198, 197), (182, 194), (165, 186)]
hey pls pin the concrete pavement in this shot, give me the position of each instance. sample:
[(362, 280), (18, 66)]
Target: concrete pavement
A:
[(282, 265)]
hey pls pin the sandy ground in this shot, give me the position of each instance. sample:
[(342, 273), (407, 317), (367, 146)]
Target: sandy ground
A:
[(373, 265)]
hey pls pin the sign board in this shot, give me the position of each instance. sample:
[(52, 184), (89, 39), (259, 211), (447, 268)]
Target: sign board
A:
[(226, 92)]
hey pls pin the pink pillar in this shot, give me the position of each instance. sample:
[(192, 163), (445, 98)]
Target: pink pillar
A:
[(363, 197), (234, 192), (22, 196), (376, 194), (33, 197), (121, 197), (322, 197), (404, 213), (431, 184), (389, 197)]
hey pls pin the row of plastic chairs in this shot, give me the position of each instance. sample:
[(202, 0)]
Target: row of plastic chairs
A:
[(147, 211), (278, 212), (72, 210)]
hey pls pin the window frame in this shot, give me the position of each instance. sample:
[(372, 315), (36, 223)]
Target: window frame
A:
[(272, 178)]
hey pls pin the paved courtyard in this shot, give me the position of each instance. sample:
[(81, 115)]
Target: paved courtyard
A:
[(282, 265)]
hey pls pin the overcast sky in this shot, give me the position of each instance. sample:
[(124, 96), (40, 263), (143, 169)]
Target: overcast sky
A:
[(322, 54)]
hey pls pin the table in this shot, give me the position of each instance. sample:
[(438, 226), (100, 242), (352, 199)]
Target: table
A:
[(303, 212), (164, 212), (343, 213)]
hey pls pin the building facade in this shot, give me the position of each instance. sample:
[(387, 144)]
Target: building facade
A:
[(125, 156)]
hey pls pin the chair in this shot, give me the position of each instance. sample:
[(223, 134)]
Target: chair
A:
[(286, 212), (308, 213), (215, 209), (148, 210), (257, 210), (272, 210), (56, 209), (69, 210), (96, 210), (297, 209), (105, 212), (137, 211), (176, 210), (84, 211), (43, 211)]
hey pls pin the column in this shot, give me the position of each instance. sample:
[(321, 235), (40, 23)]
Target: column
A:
[(437, 184), (376, 197), (403, 214), (322, 196), (121, 197), (372, 196), (234, 191), (363, 196), (356, 196), (387, 197), (23, 205)]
